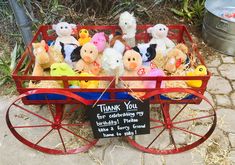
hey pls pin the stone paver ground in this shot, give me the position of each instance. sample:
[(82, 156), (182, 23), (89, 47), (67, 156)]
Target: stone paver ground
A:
[(219, 149)]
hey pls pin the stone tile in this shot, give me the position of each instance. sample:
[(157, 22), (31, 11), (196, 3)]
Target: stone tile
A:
[(226, 119), (187, 157), (223, 100), (227, 70), (150, 159), (233, 84), (213, 63), (227, 59), (233, 98), (214, 71), (231, 137), (122, 154), (218, 85), (232, 157)]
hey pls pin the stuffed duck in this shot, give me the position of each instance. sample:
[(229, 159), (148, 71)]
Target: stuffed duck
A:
[(88, 83), (84, 37), (199, 71)]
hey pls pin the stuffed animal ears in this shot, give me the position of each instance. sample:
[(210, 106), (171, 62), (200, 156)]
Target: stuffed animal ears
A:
[(149, 30), (54, 27), (73, 26), (153, 46)]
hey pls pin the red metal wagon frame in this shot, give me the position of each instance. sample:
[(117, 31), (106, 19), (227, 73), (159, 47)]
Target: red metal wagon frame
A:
[(178, 33)]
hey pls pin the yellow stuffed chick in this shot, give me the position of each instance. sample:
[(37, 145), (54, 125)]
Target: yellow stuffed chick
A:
[(88, 83), (84, 37), (199, 71)]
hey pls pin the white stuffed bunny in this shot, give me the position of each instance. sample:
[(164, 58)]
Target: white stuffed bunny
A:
[(159, 33), (64, 32)]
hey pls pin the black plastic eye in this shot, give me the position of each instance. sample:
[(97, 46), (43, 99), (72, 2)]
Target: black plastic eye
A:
[(160, 29), (91, 52), (61, 27), (86, 81), (125, 23), (84, 50), (133, 59), (54, 69), (66, 27), (80, 31), (200, 69), (85, 31), (117, 60), (129, 59)]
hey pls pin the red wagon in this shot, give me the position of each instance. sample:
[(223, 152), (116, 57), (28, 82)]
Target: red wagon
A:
[(49, 120)]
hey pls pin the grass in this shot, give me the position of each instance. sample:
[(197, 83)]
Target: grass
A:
[(191, 10), (8, 61)]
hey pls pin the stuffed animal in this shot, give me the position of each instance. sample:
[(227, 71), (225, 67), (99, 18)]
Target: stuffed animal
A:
[(176, 57), (132, 61), (159, 33), (127, 23), (43, 59), (84, 37), (99, 41), (63, 69), (147, 51), (87, 62), (112, 63), (154, 73), (88, 83), (117, 42), (199, 71), (70, 53), (64, 34), (45, 84)]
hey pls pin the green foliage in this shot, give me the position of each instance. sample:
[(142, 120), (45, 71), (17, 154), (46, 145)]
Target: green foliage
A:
[(191, 10), (8, 61)]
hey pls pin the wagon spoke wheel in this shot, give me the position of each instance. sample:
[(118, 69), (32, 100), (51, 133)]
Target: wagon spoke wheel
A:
[(51, 128), (176, 128)]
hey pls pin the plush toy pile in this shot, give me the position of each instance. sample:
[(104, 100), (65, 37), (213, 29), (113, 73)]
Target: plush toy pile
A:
[(115, 55)]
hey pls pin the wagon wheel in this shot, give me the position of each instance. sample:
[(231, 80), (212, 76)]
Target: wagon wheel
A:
[(50, 128), (177, 127)]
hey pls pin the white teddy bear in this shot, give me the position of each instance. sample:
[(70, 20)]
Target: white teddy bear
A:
[(64, 32), (159, 33)]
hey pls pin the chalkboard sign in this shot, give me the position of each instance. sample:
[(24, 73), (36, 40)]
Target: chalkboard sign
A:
[(120, 119)]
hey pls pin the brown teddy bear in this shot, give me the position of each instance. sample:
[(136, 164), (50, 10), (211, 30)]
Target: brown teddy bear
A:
[(173, 59), (176, 57)]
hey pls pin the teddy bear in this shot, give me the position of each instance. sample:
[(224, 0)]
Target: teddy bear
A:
[(132, 61), (127, 23), (176, 57), (87, 60), (159, 34), (64, 32)]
